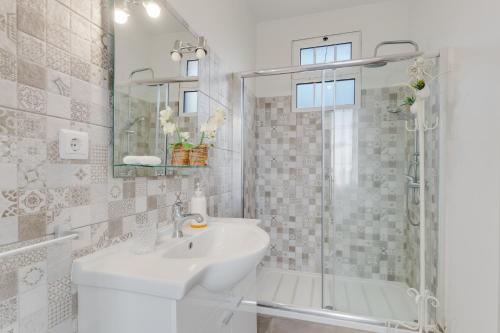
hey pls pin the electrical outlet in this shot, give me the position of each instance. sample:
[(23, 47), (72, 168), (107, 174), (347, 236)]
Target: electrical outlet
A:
[(73, 145)]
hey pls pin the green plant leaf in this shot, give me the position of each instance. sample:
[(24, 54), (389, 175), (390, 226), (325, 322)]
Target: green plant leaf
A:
[(409, 101), (419, 85)]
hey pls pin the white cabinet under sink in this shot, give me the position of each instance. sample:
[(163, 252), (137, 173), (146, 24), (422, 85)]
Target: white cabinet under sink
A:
[(202, 283), (200, 311)]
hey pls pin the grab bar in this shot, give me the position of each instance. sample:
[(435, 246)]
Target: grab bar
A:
[(67, 236)]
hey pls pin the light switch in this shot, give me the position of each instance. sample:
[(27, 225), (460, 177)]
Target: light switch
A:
[(73, 145)]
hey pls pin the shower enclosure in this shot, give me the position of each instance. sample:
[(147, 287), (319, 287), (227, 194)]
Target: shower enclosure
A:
[(330, 167)]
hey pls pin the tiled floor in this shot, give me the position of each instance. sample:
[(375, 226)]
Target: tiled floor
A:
[(266, 324), (372, 298)]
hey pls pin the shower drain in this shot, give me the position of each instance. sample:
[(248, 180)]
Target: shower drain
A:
[(329, 307)]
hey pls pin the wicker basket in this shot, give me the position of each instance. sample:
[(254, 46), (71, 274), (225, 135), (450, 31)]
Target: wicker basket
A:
[(198, 156), (180, 156)]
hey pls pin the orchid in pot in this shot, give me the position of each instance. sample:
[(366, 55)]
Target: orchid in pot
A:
[(180, 148), (184, 152), (199, 153)]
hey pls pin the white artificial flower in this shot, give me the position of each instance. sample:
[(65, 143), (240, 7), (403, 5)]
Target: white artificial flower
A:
[(209, 126), (169, 128), (166, 114), (184, 136)]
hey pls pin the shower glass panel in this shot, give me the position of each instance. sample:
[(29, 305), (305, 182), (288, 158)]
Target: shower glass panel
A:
[(283, 185), (325, 170), (370, 249)]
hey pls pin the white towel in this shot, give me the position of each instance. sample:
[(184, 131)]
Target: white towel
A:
[(142, 160)]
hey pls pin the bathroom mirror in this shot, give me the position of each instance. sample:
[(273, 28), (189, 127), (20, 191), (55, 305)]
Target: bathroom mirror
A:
[(157, 65)]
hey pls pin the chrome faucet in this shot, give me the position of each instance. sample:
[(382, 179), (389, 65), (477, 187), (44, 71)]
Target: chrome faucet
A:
[(179, 218)]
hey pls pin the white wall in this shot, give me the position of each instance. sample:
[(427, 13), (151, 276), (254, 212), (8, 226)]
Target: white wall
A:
[(228, 26), (383, 21), (472, 257)]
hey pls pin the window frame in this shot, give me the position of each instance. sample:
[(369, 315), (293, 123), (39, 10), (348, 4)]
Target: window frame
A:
[(186, 87), (187, 67), (353, 38)]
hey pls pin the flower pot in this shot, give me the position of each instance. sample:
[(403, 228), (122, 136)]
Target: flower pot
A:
[(180, 156), (424, 93), (198, 156)]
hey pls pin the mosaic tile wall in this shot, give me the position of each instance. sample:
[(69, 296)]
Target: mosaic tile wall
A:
[(368, 203), (369, 238), (55, 68), (250, 165), (288, 182)]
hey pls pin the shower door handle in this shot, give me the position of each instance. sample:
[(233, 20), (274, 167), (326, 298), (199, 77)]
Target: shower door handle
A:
[(331, 181)]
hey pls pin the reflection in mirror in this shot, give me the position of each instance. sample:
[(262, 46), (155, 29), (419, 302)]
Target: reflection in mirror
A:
[(156, 67)]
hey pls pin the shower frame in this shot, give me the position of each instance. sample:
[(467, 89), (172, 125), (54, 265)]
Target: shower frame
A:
[(422, 290)]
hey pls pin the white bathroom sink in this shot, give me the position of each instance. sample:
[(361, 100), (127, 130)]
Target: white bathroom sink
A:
[(217, 258), (232, 249)]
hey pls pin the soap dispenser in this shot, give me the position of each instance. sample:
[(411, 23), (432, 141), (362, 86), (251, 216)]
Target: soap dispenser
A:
[(199, 206)]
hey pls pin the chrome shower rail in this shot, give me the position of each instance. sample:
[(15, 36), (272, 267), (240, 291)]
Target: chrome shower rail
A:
[(333, 65)]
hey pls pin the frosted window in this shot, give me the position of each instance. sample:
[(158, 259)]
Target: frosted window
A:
[(344, 52), (192, 68), (190, 102), (305, 95), (307, 56)]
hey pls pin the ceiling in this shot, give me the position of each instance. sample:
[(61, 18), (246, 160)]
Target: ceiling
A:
[(276, 9), (166, 23)]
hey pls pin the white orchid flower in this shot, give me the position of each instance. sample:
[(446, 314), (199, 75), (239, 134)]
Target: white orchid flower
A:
[(166, 114), (169, 128), (184, 136)]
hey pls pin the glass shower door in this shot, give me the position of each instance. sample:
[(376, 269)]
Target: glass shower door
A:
[(368, 253)]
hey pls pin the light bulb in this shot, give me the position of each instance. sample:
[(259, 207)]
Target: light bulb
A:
[(121, 16), (152, 8), (176, 56), (200, 53)]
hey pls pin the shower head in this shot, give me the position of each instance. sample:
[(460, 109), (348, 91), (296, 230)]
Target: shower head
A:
[(382, 63), (135, 121), (396, 110), (378, 64)]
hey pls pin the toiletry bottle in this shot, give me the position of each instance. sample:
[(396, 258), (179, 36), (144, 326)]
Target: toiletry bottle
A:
[(199, 206)]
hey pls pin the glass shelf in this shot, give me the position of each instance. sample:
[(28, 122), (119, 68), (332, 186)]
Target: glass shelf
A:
[(162, 166)]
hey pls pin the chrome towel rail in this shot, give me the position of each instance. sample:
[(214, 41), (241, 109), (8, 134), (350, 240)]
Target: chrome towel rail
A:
[(65, 236)]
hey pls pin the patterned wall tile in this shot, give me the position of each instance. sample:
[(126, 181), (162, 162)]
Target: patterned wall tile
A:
[(58, 67), (31, 276), (32, 226), (31, 126), (80, 69), (58, 14), (31, 49), (8, 285), (82, 7), (58, 36), (8, 312), (8, 65), (58, 59), (31, 18), (31, 99)]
